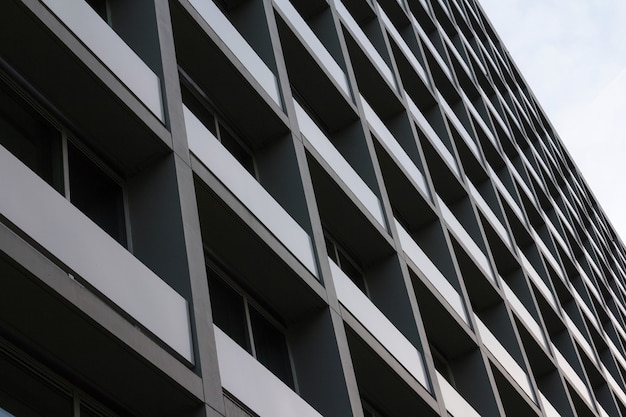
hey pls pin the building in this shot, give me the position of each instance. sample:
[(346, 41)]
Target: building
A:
[(292, 208)]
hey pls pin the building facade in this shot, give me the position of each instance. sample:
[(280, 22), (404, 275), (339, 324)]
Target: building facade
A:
[(292, 208)]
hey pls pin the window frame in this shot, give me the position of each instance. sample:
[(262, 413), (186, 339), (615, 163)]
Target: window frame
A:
[(66, 136), (229, 279)]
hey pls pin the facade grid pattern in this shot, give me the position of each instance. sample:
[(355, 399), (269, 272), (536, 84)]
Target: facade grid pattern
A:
[(292, 208)]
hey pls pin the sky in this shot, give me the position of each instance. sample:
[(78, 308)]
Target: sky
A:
[(572, 54)]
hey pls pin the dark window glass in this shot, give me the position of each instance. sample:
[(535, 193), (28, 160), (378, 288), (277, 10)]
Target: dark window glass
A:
[(228, 310), (100, 6), (237, 150), (96, 194), (351, 271), (30, 137), (271, 347), (330, 248), (25, 394), (199, 110)]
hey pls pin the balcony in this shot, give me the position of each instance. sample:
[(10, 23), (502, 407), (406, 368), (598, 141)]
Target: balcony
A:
[(466, 240), (254, 385), (240, 48), (378, 325), (509, 364), (53, 222), (366, 45), (339, 165), (314, 44), (100, 38), (394, 148), (249, 192), (433, 136), (406, 50), (431, 273)]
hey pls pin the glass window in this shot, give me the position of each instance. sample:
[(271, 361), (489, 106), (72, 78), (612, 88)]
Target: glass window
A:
[(199, 104), (96, 194), (242, 320), (30, 137), (270, 345), (228, 310), (345, 262), (29, 394), (40, 144)]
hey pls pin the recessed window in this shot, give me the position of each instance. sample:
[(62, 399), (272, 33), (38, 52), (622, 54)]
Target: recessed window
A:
[(200, 106), (49, 150), (345, 262), (253, 328), (29, 136), (96, 194)]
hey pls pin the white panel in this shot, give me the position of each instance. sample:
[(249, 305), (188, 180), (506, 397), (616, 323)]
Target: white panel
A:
[(53, 222), (255, 386), (87, 25), (378, 325), (239, 181)]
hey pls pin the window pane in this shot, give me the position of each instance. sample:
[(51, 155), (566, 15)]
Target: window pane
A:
[(351, 271), (26, 394), (228, 310), (271, 347), (30, 137), (237, 150), (96, 194)]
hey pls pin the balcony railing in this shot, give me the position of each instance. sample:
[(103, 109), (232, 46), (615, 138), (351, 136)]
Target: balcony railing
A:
[(254, 385), (431, 272), (248, 191), (506, 360), (239, 46), (100, 38), (313, 42), (378, 325), (366, 44), (88, 251), (392, 145), (339, 165)]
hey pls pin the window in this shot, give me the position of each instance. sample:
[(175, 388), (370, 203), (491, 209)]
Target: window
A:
[(345, 262), (28, 389), (248, 324), (49, 150), (197, 102), (442, 365)]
